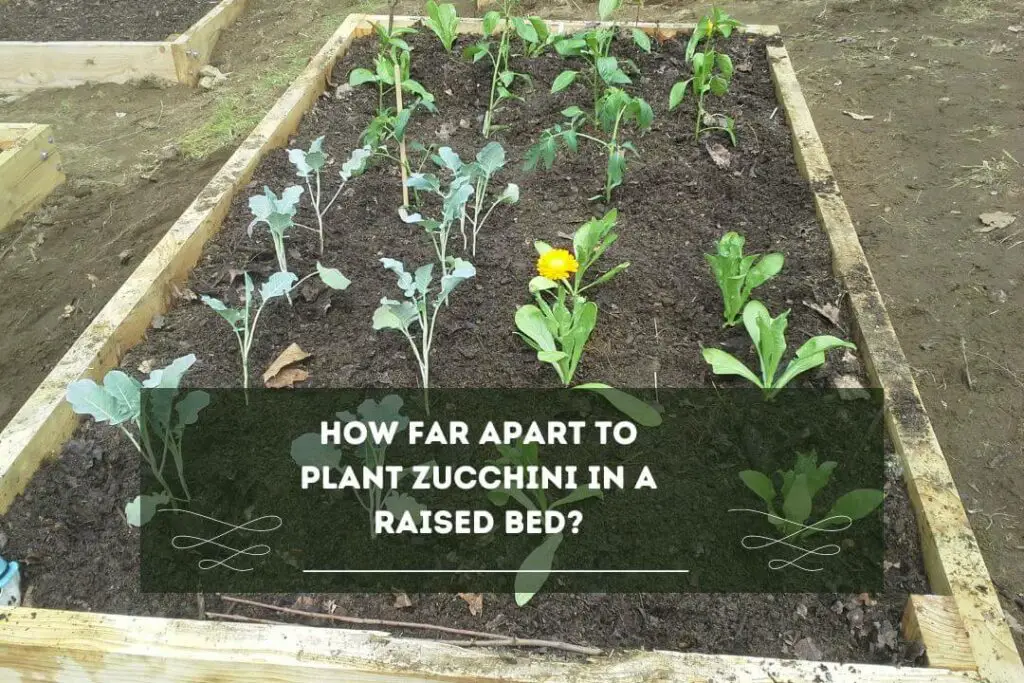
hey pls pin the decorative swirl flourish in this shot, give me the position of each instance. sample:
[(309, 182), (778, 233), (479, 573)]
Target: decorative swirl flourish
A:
[(186, 542), (777, 563)]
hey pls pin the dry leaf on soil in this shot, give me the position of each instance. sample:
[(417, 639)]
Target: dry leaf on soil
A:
[(995, 220), (402, 601), (719, 154), (828, 311), (280, 375), (475, 602)]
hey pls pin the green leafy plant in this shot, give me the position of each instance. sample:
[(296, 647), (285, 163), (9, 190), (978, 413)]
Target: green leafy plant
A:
[(475, 175), (717, 23), (443, 20), (534, 33), (502, 76), (243, 322), (557, 330), (160, 424), (737, 275), (418, 308), (308, 165), (310, 450), (712, 73), (589, 243), (769, 337), (278, 214), (536, 568), (800, 485), (615, 108)]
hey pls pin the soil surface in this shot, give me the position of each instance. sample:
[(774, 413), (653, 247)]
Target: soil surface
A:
[(50, 20), (674, 204)]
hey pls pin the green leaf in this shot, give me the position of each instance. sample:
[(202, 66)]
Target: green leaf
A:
[(609, 71), (142, 508), (394, 315), (541, 283), (490, 22), (856, 504), (360, 76), (170, 376), (309, 450), (605, 8), (572, 112), (332, 277), (724, 63), (760, 484), (677, 93), (763, 270), (797, 506), (525, 30), (563, 80), (491, 158), (531, 324), (809, 356), (189, 407), (534, 571), (642, 40), (632, 407), (88, 398), (723, 363), (719, 86), (458, 271), (278, 284), (579, 493)]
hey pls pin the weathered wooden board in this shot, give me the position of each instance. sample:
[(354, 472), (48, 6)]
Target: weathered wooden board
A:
[(29, 169)]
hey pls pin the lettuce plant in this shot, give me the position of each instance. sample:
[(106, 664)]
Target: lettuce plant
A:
[(419, 308), (800, 485), (309, 163), (737, 275), (589, 243), (502, 77), (443, 20), (242, 320), (615, 108), (535, 569), (769, 337), (161, 427), (308, 449), (278, 214), (712, 73)]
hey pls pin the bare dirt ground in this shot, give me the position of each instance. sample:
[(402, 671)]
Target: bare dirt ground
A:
[(943, 81)]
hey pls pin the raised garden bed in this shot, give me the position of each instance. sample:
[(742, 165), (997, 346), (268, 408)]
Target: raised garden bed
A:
[(29, 169), (44, 45), (960, 625)]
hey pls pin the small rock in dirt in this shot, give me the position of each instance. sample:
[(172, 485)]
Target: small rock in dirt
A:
[(444, 133), (885, 636), (210, 77), (837, 607), (125, 256), (846, 40), (1015, 29), (806, 649), (146, 366), (995, 220), (463, 123), (801, 610), (402, 601), (342, 90), (159, 322), (855, 617), (997, 296)]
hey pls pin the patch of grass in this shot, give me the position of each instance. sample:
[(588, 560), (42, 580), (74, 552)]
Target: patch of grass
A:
[(992, 173), (231, 118)]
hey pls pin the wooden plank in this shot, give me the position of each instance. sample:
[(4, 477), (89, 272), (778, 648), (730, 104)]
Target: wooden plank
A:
[(193, 49), (29, 170), (29, 66), (952, 558), (39, 644), (933, 620), (114, 648)]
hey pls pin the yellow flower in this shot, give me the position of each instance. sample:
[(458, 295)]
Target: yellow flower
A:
[(557, 264)]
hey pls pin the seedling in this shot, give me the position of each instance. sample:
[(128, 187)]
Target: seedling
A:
[(309, 163), (535, 569), (589, 243), (477, 175), (418, 308), (160, 428), (718, 23), (502, 77), (443, 20), (535, 34), (309, 449), (769, 337), (615, 108), (712, 73), (278, 214), (800, 485), (737, 275), (241, 320)]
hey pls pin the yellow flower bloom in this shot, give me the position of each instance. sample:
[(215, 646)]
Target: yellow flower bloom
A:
[(557, 264)]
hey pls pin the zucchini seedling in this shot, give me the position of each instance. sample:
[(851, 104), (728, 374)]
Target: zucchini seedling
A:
[(615, 108), (737, 275), (769, 337), (160, 424)]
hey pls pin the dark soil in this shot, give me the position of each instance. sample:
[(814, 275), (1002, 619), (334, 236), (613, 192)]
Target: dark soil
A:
[(50, 20), (653, 321)]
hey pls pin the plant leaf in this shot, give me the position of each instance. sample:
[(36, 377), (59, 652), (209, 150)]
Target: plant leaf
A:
[(632, 407), (760, 484), (642, 40), (723, 363), (539, 562), (797, 506), (142, 508), (332, 277)]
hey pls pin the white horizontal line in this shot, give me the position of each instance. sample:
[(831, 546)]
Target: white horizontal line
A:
[(495, 571)]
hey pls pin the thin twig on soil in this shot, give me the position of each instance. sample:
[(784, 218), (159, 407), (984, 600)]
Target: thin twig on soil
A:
[(402, 160), (967, 367), (492, 639)]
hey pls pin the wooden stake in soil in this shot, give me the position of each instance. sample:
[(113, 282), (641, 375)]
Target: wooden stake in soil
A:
[(401, 143)]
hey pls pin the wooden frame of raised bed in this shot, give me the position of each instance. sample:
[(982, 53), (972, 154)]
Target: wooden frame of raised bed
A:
[(961, 624), (29, 169), (26, 65)]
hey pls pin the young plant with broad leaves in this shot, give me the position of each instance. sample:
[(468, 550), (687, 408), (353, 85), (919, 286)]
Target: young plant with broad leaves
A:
[(799, 486), (712, 73), (711, 26), (498, 49), (159, 422), (309, 450), (737, 275), (278, 214), (615, 109), (535, 569), (308, 166), (443, 20), (420, 307), (769, 337), (243, 320), (477, 175)]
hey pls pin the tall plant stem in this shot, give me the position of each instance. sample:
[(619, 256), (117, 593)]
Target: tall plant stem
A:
[(403, 163)]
